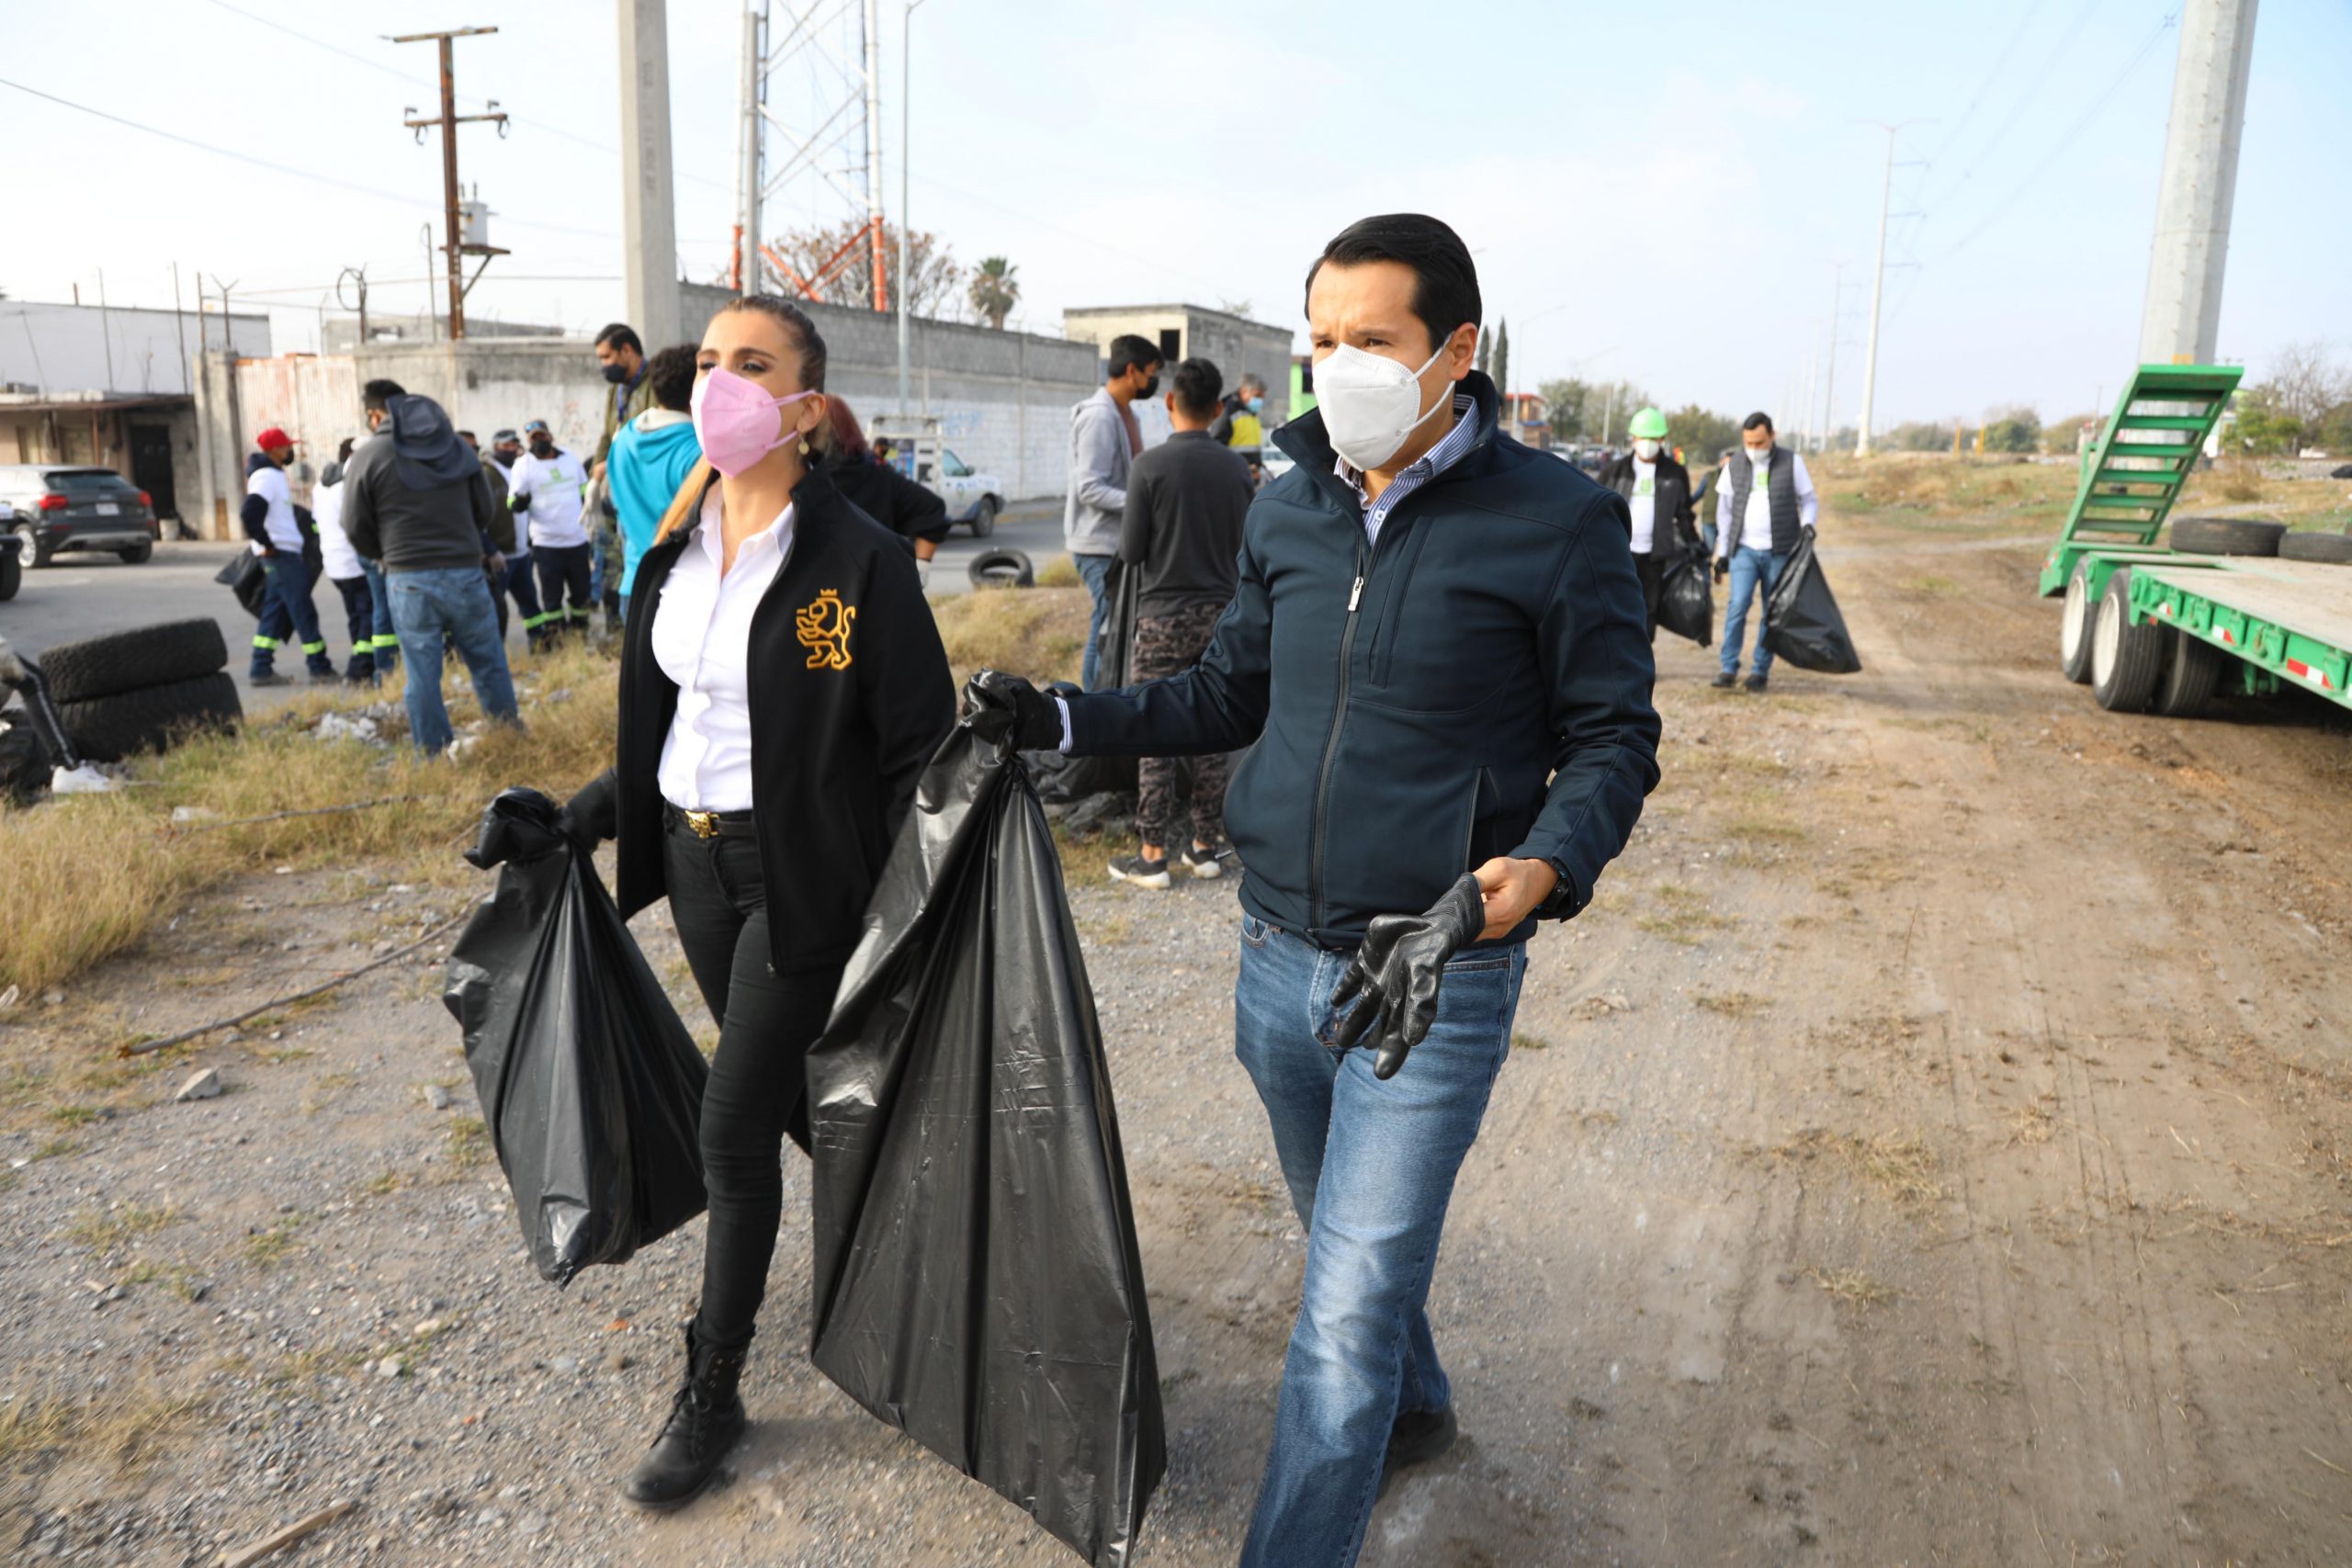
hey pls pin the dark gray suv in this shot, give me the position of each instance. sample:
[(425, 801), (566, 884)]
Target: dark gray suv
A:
[(59, 507)]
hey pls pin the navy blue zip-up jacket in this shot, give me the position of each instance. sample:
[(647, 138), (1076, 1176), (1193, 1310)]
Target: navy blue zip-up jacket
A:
[(1477, 685)]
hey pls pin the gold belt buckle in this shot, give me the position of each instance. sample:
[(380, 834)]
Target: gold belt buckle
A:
[(704, 823)]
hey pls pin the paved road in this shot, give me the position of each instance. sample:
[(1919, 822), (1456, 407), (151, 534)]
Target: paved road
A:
[(87, 596), (1033, 527)]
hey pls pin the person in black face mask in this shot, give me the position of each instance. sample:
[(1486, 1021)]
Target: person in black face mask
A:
[(1105, 437)]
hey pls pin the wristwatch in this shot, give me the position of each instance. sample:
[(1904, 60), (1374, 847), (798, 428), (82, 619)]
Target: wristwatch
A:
[(1565, 899)]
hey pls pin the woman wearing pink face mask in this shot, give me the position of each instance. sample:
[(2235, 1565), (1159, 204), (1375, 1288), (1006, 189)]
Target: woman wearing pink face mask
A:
[(781, 689)]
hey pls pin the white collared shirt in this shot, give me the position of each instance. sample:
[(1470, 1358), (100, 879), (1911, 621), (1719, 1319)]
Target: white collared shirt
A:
[(702, 640)]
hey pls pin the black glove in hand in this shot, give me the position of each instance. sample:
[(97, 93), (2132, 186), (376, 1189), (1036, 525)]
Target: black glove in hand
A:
[(1000, 707), (1393, 980), (592, 816), (1723, 569)]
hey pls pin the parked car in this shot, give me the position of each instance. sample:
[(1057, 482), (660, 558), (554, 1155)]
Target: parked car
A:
[(12, 560), (59, 508), (972, 497)]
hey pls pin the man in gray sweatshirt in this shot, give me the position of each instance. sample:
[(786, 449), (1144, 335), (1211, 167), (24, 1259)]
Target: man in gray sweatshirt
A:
[(1105, 437), (417, 501)]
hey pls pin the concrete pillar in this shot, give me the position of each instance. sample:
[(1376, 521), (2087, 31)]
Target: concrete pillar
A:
[(2181, 321), (649, 212)]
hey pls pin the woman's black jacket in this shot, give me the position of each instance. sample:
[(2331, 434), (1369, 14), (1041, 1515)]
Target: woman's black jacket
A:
[(850, 695), (910, 510)]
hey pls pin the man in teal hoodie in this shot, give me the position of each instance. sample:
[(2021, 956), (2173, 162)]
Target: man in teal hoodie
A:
[(651, 456)]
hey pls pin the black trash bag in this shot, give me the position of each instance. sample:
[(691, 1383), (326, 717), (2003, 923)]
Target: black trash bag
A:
[(1801, 620), (591, 1086), (1115, 657), (1061, 779), (978, 1283), (1686, 600), (243, 575)]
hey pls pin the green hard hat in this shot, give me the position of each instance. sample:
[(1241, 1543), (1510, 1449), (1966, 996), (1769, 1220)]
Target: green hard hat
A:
[(1648, 422)]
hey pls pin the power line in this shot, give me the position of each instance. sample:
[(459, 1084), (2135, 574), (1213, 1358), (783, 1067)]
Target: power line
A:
[(398, 74), (2066, 142), (339, 184), (1991, 77), (2058, 57)]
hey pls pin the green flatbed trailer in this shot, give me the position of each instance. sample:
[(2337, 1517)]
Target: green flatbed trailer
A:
[(2149, 628)]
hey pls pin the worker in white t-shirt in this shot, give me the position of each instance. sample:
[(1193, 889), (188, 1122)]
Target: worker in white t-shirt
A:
[(268, 519), (345, 570), (551, 485)]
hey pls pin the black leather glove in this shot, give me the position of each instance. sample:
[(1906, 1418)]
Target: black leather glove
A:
[(593, 815), (1723, 569), (1393, 980), (1000, 707)]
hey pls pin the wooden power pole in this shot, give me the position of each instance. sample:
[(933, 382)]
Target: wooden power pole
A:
[(448, 120)]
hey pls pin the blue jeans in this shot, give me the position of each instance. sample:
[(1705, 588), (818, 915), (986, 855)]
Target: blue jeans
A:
[(1095, 573), (1371, 1168), (1748, 567), (288, 611), (452, 605), (386, 643)]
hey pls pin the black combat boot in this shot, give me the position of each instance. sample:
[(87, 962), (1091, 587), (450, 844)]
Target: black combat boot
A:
[(705, 1420)]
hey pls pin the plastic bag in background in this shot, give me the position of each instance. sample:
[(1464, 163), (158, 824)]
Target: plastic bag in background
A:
[(242, 575), (978, 1282), (590, 1085), (1686, 600), (1801, 620)]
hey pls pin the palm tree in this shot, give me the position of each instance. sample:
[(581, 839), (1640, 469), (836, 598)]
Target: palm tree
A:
[(995, 290)]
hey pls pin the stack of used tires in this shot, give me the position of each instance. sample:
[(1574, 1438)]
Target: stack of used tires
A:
[(140, 691)]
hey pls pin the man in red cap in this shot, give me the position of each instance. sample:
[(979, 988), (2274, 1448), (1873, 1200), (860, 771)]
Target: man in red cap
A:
[(287, 610)]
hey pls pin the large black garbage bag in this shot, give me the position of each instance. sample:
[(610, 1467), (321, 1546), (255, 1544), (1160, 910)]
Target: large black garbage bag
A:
[(978, 1283), (589, 1082), (1801, 620), (1686, 600), (242, 575)]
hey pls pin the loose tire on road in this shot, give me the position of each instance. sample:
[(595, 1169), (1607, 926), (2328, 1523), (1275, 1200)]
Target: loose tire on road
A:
[(133, 554), (2226, 536), (2075, 629), (108, 730), (2193, 670), (159, 655), (2336, 547), (1002, 568), (984, 518), (2126, 661)]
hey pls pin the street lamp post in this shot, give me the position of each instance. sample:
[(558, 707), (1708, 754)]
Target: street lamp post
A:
[(906, 66)]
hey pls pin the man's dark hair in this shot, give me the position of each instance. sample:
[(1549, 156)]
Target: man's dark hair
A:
[(1198, 382), (465, 435), (378, 395), (1445, 287), (620, 334), (1128, 351), (672, 371), (1759, 420)]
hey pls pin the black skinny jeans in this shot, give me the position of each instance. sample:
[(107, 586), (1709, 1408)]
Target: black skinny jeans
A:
[(758, 1089)]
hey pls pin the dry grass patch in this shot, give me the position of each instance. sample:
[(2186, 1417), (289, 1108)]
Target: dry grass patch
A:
[(1854, 1287), (108, 1230), (468, 1139), (124, 1430), (1684, 917), (1899, 1164), (1732, 1004), (1059, 572), (1037, 632), (266, 1249)]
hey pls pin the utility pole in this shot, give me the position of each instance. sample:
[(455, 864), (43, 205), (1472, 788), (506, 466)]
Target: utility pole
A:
[(869, 61), (2180, 323), (1878, 292), (453, 242), (750, 88), (1829, 370), (906, 143), (358, 275), (649, 207)]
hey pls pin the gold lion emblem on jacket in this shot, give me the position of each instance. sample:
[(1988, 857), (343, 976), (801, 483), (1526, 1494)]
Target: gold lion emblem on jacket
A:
[(824, 628)]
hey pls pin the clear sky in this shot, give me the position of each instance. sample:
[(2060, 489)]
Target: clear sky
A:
[(1656, 191)]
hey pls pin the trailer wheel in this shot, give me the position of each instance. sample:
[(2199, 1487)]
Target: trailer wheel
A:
[(2126, 661), (2075, 629), (2317, 547), (2192, 672), (2226, 536)]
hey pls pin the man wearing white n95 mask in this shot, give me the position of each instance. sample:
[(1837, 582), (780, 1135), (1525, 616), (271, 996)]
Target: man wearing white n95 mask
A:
[(1768, 505), (1436, 646)]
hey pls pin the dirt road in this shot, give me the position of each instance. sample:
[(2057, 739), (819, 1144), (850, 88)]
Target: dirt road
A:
[(1933, 1147)]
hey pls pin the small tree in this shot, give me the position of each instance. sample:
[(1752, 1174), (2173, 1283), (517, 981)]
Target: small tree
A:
[(2013, 429), (1502, 357), (1486, 353), (995, 290), (1564, 403)]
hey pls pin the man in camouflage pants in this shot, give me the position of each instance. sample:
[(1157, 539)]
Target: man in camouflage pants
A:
[(1182, 531)]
